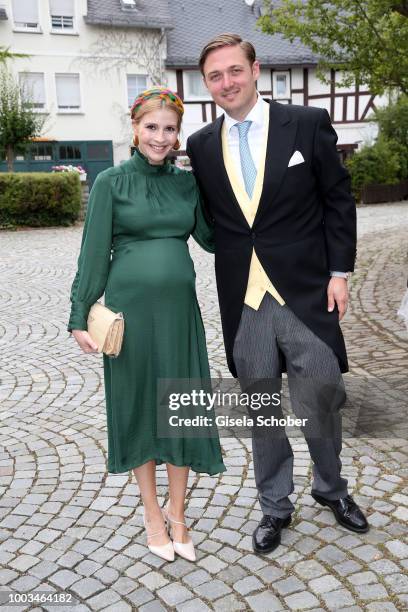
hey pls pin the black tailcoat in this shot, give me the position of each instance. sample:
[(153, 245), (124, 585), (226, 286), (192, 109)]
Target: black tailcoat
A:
[(305, 225)]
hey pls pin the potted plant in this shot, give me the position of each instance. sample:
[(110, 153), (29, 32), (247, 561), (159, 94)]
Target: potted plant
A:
[(82, 173)]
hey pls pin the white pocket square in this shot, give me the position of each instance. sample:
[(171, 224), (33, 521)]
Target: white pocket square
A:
[(297, 158)]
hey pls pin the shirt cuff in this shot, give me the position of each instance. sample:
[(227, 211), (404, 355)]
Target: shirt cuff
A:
[(339, 274)]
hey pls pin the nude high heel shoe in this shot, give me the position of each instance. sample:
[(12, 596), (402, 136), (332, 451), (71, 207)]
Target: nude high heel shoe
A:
[(185, 550), (165, 551)]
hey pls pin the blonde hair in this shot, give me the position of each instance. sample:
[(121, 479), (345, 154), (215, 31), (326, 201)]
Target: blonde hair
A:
[(227, 40)]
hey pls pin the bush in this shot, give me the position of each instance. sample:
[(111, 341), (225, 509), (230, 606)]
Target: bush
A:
[(402, 152), (376, 164), (393, 121), (393, 127), (39, 199)]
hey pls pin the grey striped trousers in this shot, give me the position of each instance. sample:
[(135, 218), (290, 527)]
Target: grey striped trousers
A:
[(313, 373)]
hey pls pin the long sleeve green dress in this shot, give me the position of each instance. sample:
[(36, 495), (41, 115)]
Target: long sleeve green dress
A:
[(134, 250)]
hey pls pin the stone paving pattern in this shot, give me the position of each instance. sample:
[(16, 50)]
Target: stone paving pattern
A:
[(67, 526)]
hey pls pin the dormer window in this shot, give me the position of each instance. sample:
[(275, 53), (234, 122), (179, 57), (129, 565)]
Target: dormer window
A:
[(128, 4)]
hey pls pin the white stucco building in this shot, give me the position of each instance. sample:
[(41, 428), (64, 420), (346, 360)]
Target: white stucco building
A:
[(85, 66)]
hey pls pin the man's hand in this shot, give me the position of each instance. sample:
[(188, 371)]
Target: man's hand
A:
[(337, 293), (85, 341)]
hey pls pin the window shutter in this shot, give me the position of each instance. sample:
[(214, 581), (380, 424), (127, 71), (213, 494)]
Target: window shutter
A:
[(25, 11), (68, 90), (63, 8), (33, 86)]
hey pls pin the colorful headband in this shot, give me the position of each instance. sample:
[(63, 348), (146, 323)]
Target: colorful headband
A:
[(156, 92)]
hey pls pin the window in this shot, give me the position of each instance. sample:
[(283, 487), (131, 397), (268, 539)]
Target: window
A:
[(136, 83), (98, 150), (281, 85), (62, 15), (62, 23), (32, 88), (68, 94), (69, 152), (41, 152), (25, 14), (194, 85)]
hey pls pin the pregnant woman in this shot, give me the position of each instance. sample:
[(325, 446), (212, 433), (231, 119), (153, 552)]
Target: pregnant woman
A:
[(134, 250)]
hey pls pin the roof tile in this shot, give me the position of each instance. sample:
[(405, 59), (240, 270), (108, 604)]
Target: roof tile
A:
[(197, 21), (146, 14)]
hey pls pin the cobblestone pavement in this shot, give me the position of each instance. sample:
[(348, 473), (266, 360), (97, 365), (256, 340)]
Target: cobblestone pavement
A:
[(67, 526)]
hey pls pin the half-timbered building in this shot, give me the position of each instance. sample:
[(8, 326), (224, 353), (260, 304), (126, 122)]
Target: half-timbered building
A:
[(288, 70)]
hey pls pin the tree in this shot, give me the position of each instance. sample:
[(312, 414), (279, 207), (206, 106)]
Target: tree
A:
[(366, 38), (19, 123), (112, 52), (374, 164), (5, 54), (115, 48), (386, 161), (392, 123)]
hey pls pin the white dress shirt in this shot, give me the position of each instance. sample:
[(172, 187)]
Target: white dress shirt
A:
[(255, 135), (255, 139)]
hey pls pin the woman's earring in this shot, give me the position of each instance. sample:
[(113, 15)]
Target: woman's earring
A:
[(136, 140), (177, 145)]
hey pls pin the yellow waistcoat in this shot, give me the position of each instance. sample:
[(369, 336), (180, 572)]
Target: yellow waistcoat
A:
[(258, 281)]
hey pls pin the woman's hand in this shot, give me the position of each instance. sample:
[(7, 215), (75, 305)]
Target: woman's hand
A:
[(85, 341)]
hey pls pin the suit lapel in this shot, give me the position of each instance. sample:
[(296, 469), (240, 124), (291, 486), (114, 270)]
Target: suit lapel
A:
[(211, 141), (281, 138)]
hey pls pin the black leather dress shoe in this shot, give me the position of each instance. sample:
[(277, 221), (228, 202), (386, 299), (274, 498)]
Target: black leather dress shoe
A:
[(267, 536), (346, 511)]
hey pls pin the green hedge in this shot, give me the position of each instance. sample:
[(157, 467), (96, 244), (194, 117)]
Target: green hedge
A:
[(39, 199), (386, 161), (379, 163)]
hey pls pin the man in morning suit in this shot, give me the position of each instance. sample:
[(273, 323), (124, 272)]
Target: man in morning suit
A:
[(285, 236)]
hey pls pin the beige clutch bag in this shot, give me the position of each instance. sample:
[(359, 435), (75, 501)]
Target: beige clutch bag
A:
[(106, 329)]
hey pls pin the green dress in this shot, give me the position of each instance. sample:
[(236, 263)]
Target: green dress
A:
[(134, 250)]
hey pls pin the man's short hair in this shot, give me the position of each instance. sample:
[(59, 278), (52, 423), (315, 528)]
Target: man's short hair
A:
[(227, 40)]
